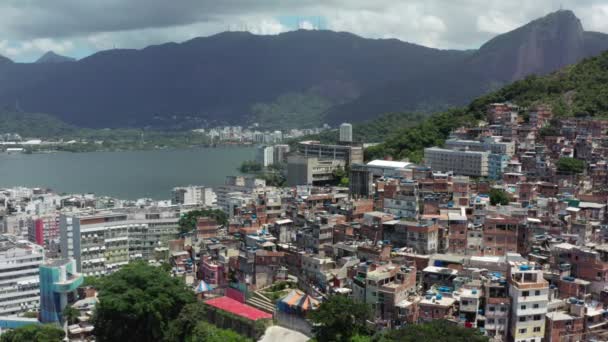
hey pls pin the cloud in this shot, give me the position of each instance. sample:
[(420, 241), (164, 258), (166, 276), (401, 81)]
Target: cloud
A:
[(83, 26)]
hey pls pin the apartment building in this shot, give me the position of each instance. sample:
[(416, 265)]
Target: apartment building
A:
[(101, 242), (529, 293), (19, 275), (193, 195), (464, 163), (264, 155)]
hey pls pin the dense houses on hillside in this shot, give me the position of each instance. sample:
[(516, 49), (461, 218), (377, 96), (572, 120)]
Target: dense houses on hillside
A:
[(504, 229)]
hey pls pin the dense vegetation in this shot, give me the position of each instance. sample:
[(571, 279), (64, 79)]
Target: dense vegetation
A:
[(250, 166), (436, 331), (499, 196), (339, 318), (570, 165), (187, 222), (34, 332), (33, 124), (292, 110), (191, 326), (137, 303)]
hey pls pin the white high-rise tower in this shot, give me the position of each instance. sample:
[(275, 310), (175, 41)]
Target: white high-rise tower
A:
[(346, 132)]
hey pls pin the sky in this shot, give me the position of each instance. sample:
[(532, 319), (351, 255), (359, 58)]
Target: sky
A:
[(79, 28)]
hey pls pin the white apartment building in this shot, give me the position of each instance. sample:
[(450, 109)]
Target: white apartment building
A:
[(265, 155), (193, 195), (529, 293), (346, 132), (101, 242), (19, 275), (464, 163)]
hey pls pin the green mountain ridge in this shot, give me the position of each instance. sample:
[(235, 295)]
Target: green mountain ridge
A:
[(577, 90)]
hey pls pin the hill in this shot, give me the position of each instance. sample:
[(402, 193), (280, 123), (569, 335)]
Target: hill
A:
[(4, 60), (576, 90), (539, 47), (52, 57), (312, 76)]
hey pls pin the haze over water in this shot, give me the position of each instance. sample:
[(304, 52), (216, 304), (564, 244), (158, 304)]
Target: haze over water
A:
[(126, 175)]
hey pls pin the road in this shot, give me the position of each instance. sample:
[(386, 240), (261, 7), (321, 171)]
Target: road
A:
[(279, 334)]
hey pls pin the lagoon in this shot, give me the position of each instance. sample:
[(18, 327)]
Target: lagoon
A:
[(125, 175)]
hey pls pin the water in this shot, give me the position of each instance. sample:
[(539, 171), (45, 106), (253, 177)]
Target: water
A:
[(127, 175)]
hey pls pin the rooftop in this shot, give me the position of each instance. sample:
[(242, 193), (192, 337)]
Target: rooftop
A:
[(238, 308)]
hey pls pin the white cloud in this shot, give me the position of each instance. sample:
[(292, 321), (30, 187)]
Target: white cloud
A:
[(94, 25), (495, 23), (35, 47), (306, 25)]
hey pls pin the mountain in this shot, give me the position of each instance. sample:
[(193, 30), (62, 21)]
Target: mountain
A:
[(4, 60), (539, 47), (52, 57), (238, 77), (575, 90)]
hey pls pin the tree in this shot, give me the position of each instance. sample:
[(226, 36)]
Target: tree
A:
[(181, 328), (187, 222), (436, 331), (499, 196), (34, 332), (137, 303), (570, 165), (339, 318), (70, 314), (205, 332)]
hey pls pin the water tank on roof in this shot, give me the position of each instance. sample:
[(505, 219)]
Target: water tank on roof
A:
[(524, 268), (474, 291), (438, 296)]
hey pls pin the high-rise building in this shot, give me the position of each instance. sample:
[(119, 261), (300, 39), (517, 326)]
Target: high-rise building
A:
[(346, 132), (58, 284), (265, 155), (19, 275), (101, 242), (280, 154), (529, 293)]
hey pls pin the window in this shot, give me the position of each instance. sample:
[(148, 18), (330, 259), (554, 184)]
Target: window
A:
[(537, 293), (522, 331), (522, 318), (503, 308), (491, 308), (490, 320), (464, 302), (523, 307), (535, 306), (525, 293), (536, 329), (537, 317)]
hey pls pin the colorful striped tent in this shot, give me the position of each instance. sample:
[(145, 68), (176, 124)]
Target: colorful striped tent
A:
[(297, 302), (203, 287)]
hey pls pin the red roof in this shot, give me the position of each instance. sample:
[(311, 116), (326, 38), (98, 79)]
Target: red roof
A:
[(238, 308)]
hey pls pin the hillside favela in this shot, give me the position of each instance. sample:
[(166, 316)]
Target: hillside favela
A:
[(281, 171)]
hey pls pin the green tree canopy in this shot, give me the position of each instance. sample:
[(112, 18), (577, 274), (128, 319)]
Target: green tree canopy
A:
[(499, 196), (187, 222), (205, 332), (137, 303), (70, 314), (34, 332), (436, 331), (181, 328), (339, 318), (570, 165)]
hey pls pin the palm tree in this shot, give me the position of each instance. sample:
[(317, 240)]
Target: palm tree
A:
[(70, 314)]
